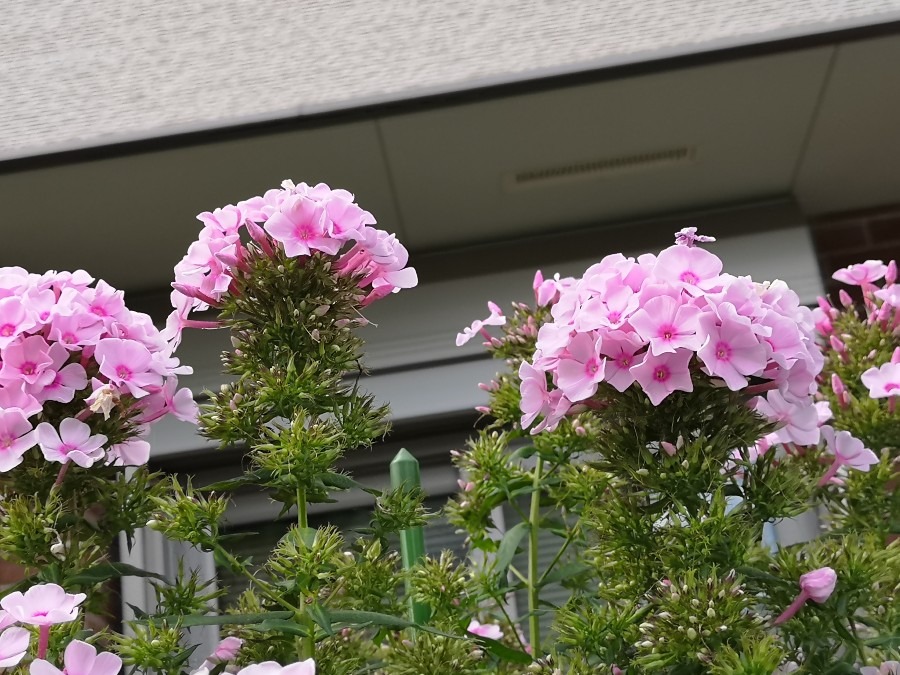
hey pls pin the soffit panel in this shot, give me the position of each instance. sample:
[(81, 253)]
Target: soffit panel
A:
[(746, 121), (853, 159)]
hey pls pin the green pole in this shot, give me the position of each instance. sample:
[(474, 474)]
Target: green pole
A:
[(405, 473)]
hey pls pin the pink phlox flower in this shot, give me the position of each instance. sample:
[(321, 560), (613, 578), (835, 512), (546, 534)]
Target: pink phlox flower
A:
[(227, 649), (558, 405), (6, 620), (133, 452), (28, 361), (798, 382), (889, 295), (67, 379), (260, 209), (105, 301), (621, 351), (687, 236), (344, 218), (80, 658), (886, 668), (167, 400), (487, 630), (534, 397), (225, 221), (43, 605), (884, 381), (611, 310), (742, 294), (13, 395), (15, 319), (14, 281), (731, 351), (16, 438), (300, 228), (862, 274), (661, 374), (13, 646), (495, 318), (784, 341), (72, 443), (546, 291), (127, 364), (694, 269), (667, 324), (799, 421), (41, 303), (581, 368), (76, 330), (847, 449), (307, 667), (823, 412)]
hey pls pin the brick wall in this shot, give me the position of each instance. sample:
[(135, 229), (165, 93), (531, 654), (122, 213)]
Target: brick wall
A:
[(845, 238)]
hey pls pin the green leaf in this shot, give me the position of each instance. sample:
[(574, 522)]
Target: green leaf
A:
[(281, 626), (357, 617), (106, 571), (890, 641), (567, 571), (183, 656), (502, 652), (188, 620), (343, 482), (754, 573), (320, 615), (231, 484), (524, 452), (508, 546)]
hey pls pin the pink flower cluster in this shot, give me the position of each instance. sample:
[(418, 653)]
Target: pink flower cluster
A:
[(659, 322), (64, 341), (882, 305), (302, 220)]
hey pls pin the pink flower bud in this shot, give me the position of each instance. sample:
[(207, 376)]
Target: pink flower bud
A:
[(890, 275), (845, 298), (836, 344), (824, 305), (819, 584), (669, 448), (895, 357), (837, 385), (483, 409)]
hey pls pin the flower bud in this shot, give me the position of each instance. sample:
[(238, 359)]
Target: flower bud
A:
[(819, 584)]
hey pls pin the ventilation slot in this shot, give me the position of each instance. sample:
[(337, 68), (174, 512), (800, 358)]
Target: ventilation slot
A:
[(599, 168)]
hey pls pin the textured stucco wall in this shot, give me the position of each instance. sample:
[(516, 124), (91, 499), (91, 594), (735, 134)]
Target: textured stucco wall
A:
[(77, 73)]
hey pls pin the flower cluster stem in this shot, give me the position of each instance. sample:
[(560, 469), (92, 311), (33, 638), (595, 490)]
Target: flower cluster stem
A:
[(534, 622), (308, 643)]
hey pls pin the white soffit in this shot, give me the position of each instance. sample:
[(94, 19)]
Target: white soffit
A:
[(743, 123), (853, 159), (416, 332), (129, 220)]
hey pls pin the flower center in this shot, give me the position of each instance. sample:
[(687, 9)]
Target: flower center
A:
[(661, 374), (123, 373), (891, 386), (667, 332), (615, 317), (28, 368), (723, 351), (689, 277), (7, 329), (591, 367)]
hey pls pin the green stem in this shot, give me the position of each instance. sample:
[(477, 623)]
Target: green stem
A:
[(308, 643), (860, 645), (534, 622)]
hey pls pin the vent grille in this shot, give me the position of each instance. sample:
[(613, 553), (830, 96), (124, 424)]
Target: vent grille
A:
[(599, 168)]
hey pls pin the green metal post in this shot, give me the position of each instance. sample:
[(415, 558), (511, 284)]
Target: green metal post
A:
[(405, 473)]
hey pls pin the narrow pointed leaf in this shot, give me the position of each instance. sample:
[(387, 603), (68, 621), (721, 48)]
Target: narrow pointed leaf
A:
[(508, 547)]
